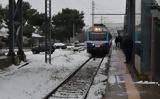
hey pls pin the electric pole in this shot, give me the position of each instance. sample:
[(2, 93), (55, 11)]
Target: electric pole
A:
[(48, 29), (93, 8), (73, 32)]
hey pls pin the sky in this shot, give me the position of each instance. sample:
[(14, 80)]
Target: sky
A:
[(158, 1), (101, 6)]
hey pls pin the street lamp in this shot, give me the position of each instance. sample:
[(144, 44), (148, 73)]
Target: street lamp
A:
[(73, 31)]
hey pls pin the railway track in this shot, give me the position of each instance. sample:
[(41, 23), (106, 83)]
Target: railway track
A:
[(77, 85)]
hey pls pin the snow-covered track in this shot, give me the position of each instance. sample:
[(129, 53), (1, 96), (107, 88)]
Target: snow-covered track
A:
[(78, 83)]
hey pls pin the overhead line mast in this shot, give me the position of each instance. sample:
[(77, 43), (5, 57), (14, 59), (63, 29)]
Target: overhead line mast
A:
[(48, 29), (93, 10)]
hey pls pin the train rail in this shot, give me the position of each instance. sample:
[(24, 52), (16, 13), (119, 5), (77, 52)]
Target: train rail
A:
[(78, 83)]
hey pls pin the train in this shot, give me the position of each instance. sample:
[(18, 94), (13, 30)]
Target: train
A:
[(98, 40)]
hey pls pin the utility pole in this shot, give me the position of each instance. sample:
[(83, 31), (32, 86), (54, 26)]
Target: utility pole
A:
[(93, 10), (48, 29), (102, 19), (73, 31)]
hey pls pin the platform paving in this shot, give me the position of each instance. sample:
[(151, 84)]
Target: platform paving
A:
[(122, 86)]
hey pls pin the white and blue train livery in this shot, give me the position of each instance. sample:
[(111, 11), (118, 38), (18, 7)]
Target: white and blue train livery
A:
[(98, 40)]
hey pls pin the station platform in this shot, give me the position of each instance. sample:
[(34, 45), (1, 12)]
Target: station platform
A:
[(121, 84)]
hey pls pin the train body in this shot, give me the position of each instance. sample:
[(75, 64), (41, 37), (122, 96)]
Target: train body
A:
[(98, 40)]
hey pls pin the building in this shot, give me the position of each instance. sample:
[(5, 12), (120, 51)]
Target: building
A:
[(146, 37)]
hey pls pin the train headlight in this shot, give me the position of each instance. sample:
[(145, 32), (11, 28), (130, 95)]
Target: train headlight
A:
[(93, 44), (97, 29)]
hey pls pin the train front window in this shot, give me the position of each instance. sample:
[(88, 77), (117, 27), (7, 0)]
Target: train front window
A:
[(97, 36)]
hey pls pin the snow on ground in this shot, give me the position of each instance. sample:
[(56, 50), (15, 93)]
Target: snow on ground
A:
[(36, 79), (100, 82), (147, 82)]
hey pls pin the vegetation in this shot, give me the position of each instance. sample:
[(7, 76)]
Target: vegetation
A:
[(35, 21), (2, 15), (64, 22)]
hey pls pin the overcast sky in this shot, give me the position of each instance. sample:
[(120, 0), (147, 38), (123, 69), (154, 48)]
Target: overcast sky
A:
[(101, 6)]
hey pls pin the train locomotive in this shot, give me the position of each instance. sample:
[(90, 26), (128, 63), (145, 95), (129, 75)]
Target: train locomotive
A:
[(98, 40)]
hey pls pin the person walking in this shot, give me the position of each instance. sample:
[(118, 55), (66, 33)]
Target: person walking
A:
[(118, 41)]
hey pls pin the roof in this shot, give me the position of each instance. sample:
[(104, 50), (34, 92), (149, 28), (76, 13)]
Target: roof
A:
[(59, 44), (3, 34), (36, 35)]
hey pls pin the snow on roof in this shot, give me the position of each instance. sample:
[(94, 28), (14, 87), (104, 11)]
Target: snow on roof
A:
[(4, 29), (4, 34), (36, 35), (59, 44)]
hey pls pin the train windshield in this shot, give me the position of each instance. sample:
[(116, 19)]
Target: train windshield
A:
[(97, 36)]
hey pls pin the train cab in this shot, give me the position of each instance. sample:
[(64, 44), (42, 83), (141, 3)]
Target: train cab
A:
[(98, 40)]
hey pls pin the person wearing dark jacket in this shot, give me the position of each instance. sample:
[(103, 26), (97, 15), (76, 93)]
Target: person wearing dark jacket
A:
[(127, 47), (118, 41)]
